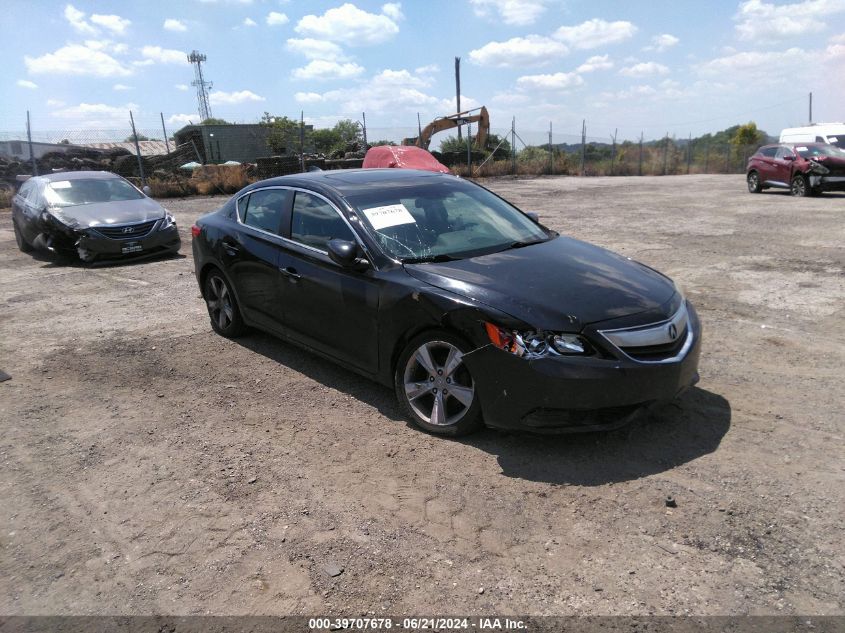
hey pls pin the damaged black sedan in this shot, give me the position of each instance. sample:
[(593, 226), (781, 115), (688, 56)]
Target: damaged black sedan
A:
[(468, 308), (93, 215)]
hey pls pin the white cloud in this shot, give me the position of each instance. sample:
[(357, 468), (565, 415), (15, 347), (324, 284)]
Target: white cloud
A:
[(26, 83), (760, 20), (660, 43), (513, 12), (172, 24), (249, 22), (594, 33), (533, 50), (644, 69), (327, 69), (594, 63), (183, 119), (751, 61), (55, 103), (96, 114), (393, 10), (233, 98), (157, 54), (113, 23), (428, 69), (76, 59), (274, 18), (308, 97), (315, 49), (556, 81), (77, 20), (350, 25), (182, 87), (121, 87)]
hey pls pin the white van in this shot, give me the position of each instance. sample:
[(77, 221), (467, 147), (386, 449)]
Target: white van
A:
[(832, 133)]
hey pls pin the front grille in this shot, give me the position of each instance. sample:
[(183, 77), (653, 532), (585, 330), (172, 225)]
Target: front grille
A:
[(126, 231), (652, 353)]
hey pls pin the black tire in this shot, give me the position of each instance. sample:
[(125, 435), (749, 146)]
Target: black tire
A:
[(799, 186), (23, 245), (420, 390), (753, 180), (222, 306)]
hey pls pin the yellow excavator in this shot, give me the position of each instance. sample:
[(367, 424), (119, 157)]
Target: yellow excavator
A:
[(454, 120)]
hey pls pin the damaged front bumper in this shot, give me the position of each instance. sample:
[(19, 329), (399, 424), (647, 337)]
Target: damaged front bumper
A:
[(570, 394), (91, 245), (826, 183)]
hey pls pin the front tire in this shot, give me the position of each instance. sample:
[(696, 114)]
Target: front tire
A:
[(222, 306), (753, 180), (799, 186), (435, 388), (23, 245)]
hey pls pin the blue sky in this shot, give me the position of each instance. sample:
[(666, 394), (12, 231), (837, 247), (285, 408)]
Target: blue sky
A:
[(654, 66)]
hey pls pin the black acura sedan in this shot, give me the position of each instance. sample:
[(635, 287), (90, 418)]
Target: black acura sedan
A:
[(469, 308), (95, 215)]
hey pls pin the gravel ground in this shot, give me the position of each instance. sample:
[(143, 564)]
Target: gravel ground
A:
[(150, 466)]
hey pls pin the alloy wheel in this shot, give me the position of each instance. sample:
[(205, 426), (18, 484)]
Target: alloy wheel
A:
[(219, 302), (799, 186), (753, 183), (438, 386)]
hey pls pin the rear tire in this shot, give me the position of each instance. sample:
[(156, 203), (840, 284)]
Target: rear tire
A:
[(222, 306), (434, 388), (753, 180), (23, 245), (799, 186)]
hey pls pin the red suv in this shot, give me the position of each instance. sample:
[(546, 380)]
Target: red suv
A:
[(806, 169)]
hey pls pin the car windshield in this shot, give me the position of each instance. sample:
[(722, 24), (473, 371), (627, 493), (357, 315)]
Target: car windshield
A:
[(443, 221), (813, 151), (71, 193)]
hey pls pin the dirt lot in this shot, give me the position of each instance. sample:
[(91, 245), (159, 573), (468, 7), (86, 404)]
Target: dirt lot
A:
[(150, 466)]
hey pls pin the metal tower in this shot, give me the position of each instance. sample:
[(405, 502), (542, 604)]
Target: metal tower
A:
[(196, 58)]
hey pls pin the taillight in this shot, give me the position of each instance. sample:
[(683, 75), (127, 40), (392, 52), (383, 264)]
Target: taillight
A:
[(195, 231)]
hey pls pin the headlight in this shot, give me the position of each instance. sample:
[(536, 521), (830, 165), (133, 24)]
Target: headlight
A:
[(818, 168), (168, 221), (531, 344)]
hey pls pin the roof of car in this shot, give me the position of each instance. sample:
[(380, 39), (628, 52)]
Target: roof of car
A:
[(351, 181), (78, 175)]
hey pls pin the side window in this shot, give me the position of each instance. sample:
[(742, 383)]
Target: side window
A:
[(263, 209), (314, 222), (26, 189), (769, 152), (821, 139), (242, 204), (784, 151)]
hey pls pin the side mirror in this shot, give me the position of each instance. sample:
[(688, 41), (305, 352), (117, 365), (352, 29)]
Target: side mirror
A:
[(343, 253), (534, 217), (789, 157), (147, 191)]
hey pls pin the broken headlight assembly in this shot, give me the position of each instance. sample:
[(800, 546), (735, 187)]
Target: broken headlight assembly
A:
[(818, 168), (168, 221), (530, 344)]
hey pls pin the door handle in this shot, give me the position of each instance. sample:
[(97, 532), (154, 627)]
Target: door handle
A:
[(291, 273)]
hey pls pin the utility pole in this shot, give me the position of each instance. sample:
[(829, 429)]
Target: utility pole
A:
[(513, 146), (364, 117), (458, 89), (164, 129), (196, 58), (29, 141), (137, 150), (302, 138)]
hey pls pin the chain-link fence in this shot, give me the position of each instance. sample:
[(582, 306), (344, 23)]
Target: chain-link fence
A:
[(222, 158)]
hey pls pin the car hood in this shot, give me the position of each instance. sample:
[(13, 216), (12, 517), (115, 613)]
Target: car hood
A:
[(562, 285), (99, 213)]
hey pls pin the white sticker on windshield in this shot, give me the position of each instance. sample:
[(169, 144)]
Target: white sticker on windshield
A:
[(390, 215), (801, 149), (60, 184), (832, 139)]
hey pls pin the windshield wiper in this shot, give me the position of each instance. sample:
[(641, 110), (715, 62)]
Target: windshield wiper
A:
[(430, 258), (524, 243)]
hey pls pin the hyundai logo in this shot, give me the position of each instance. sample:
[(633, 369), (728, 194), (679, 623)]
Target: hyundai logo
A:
[(128, 229), (673, 331)]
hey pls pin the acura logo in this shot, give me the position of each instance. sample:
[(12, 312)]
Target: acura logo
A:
[(673, 331), (128, 229)]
